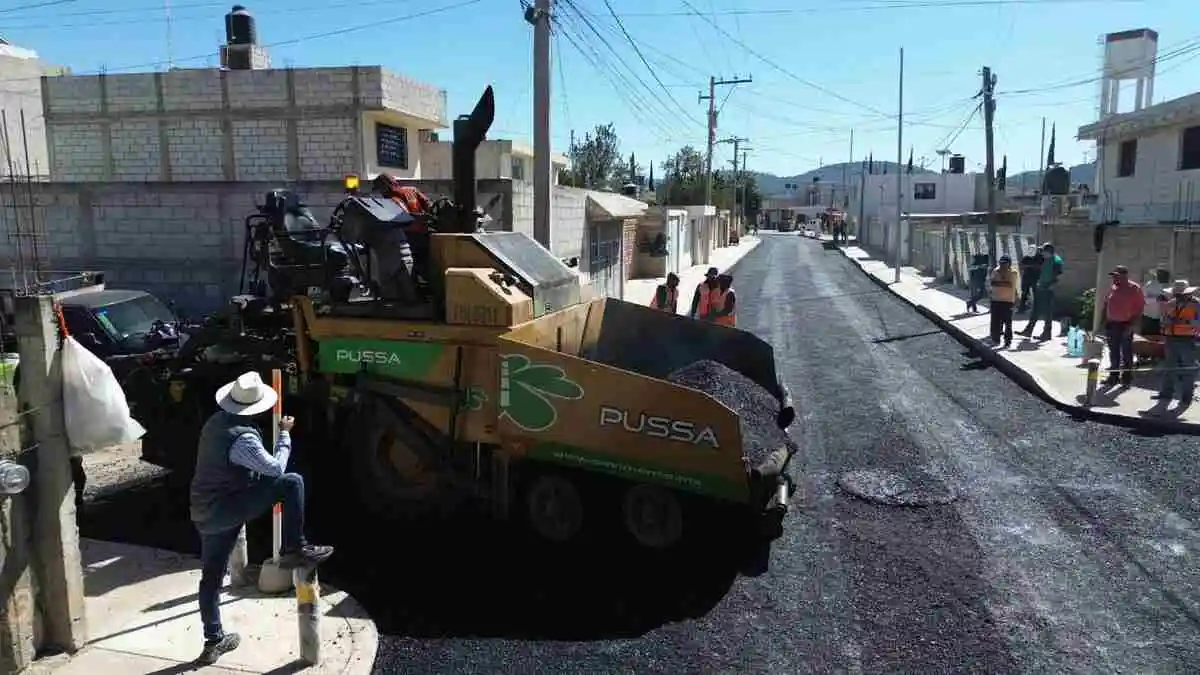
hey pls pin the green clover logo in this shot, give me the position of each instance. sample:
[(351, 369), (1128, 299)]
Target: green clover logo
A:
[(528, 389), (473, 399)]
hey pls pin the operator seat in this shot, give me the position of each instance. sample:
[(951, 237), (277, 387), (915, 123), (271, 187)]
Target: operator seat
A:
[(306, 256)]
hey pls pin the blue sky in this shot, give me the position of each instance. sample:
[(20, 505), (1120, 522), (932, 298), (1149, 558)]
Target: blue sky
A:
[(833, 63)]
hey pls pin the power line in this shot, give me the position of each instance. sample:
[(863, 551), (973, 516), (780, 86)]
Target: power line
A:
[(281, 43), (587, 23), (620, 85), (842, 7), (641, 56), (780, 68)]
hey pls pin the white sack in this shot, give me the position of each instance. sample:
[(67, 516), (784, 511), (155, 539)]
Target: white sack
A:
[(97, 414)]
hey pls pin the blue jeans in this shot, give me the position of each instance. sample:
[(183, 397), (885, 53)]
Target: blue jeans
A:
[(1180, 363), (219, 534)]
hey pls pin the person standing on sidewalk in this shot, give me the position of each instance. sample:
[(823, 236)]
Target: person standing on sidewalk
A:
[(1005, 281), (1155, 294), (1043, 294), (237, 480), (1180, 324), (1122, 311), (977, 276), (1031, 266), (666, 296), (704, 290)]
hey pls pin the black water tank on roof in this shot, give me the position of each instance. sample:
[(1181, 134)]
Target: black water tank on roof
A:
[(958, 164), (1058, 181), (239, 27)]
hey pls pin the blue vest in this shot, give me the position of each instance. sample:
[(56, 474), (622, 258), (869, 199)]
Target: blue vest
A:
[(217, 477)]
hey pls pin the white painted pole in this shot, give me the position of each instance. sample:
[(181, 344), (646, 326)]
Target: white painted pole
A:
[(899, 164), (276, 415)]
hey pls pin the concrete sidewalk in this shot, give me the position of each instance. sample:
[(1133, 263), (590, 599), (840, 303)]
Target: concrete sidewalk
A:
[(641, 291), (1042, 367), (142, 618)]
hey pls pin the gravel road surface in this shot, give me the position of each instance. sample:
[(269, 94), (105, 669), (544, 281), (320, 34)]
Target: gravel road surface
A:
[(1064, 546)]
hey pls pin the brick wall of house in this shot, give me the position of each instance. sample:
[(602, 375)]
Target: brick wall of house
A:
[(1140, 248)]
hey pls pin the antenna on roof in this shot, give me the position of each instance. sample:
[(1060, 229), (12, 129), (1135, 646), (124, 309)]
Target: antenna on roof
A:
[(170, 41)]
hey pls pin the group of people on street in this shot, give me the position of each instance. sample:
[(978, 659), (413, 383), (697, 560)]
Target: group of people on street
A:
[(1011, 288), (1164, 308), (1170, 310), (713, 300)]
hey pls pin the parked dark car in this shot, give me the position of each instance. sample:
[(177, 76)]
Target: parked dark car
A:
[(113, 323)]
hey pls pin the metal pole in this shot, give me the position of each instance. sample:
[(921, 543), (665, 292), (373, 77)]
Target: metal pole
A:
[(899, 162), (276, 416), (712, 138), (308, 613), (1041, 162), (541, 122), (989, 108)]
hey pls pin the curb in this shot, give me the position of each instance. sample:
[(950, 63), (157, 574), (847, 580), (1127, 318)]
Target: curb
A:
[(364, 634), (749, 250), (1030, 382)]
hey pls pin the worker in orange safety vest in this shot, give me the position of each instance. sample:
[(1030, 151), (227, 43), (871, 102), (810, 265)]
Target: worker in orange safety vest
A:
[(723, 308), (702, 298), (666, 296), (1180, 325)]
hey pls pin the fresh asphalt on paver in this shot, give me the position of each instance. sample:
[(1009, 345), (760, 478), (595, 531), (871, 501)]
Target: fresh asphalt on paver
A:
[(1068, 546)]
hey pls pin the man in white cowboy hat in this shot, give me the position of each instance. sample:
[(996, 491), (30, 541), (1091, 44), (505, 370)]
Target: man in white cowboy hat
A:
[(237, 480), (1180, 323)]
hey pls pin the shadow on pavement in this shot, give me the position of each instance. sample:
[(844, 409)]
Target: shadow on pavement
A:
[(460, 577)]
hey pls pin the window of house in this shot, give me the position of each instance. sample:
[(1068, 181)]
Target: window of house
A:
[(924, 190), (391, 146), (518, 168), (1127, 158), (1189, 153)]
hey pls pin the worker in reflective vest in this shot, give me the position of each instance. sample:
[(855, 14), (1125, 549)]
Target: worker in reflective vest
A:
[(702, 298), (724, 304), (1180, 323), (666, 296)]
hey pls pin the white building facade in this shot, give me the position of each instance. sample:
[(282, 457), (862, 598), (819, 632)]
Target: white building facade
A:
[(1149, 163), (494, 159), (920, 193)]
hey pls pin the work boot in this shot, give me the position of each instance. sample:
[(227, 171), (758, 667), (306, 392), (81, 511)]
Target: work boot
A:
[(1112, 380), (1126, 379), (214, 649), (1162, 396), (307, 556), (1046, 336)]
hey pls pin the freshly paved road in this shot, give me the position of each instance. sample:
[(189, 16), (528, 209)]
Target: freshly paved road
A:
[(1071, 547)]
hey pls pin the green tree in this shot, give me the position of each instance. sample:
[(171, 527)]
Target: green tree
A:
[(596, 160), (683, 179)]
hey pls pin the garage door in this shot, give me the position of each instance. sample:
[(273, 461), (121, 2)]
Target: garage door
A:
[(605, 265)]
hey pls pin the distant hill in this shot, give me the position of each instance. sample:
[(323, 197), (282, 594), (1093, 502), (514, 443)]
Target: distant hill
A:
[(770, 184), (1080, 173)]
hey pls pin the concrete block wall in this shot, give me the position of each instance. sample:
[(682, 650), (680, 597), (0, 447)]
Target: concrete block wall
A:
[(1141, 249), (181, 241), (211, 124), (568, 223)]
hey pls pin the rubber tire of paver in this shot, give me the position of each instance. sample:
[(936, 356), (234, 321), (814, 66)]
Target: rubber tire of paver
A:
[(634, 504), (555, 492)]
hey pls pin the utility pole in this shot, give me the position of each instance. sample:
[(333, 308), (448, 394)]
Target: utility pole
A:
[(736, 141), (845, 176), (539, 15), (1042, 162), (570, 154), (745, 196), (712, 127), (989, 111), (899, 163)]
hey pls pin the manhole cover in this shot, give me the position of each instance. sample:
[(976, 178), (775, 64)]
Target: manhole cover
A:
[(889, 488)]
